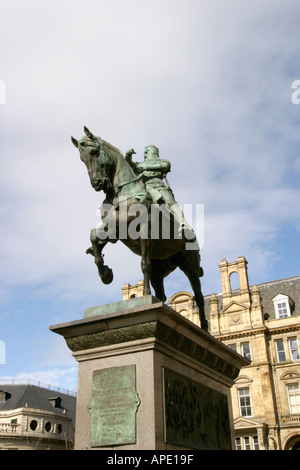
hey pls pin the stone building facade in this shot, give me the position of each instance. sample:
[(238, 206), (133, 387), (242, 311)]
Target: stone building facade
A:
[(35, 418), (262, 323)]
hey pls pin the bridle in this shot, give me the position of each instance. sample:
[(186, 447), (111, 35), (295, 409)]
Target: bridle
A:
[(106, 161)]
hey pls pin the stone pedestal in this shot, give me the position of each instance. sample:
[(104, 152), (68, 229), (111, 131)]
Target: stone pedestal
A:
[(148, 379)]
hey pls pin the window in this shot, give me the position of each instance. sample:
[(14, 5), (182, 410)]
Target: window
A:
[(48, 426), (293, 343), (282, 306), (244, 402), (56, 402), (281, 357), (255, 444), (246, 443), (245, 350), (241, 348), (293, 391), (238, 444), (33, 425), (4, 396)]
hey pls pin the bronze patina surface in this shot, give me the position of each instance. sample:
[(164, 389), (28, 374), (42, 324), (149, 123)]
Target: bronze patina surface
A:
[(195, 416), (113, 406), (120, 306), (136, 195)]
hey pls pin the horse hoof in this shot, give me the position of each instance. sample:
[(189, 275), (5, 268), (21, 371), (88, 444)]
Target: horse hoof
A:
[(108, 276)]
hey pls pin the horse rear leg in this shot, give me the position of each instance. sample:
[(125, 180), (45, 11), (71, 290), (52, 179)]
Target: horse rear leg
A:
[(160, 268), (190, 267), (196, 286), (157, 279)]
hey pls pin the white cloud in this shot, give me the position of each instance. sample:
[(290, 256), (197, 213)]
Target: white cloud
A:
[(207, 82)]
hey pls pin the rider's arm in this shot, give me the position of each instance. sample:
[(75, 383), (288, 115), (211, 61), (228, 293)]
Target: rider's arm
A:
[(155, 165), (128, 158)]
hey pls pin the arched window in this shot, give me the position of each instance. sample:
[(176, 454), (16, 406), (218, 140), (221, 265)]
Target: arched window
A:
[(234, 281)]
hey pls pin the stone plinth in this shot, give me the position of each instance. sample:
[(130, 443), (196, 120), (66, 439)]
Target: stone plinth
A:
[(148, 379)]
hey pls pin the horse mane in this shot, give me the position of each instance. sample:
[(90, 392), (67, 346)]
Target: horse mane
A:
[(122, 164), (111, 147)]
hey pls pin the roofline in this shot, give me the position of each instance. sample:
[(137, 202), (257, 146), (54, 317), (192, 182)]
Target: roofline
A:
[(277, 280), (28, 410), (258, 285), (35, 383)]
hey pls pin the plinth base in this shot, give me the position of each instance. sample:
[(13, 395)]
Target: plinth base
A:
[(148, 379)]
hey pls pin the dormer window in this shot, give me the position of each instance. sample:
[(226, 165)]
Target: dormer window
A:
[(56, 402), (282, 305), (4, 396)]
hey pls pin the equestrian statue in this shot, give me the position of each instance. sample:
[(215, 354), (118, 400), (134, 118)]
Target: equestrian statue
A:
[(140, 210)]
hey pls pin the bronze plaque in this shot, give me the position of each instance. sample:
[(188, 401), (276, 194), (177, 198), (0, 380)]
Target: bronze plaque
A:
[(113, 406), (195, 416)]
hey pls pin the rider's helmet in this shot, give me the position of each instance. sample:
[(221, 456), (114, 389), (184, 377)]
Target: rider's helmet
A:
[(151, 152)]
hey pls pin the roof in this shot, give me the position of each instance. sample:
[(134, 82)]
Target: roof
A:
[(289, 286), (268, 290), (37, 398)]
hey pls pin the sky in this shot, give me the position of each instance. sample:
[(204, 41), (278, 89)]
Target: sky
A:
[(209, 83)]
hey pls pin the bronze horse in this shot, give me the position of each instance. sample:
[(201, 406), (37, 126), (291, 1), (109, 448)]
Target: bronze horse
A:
[(110, 172)]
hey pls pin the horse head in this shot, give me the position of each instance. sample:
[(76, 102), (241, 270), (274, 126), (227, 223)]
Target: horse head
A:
[(95, 159)]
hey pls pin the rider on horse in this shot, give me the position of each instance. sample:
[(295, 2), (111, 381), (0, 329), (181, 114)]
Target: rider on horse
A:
[(153, 171)]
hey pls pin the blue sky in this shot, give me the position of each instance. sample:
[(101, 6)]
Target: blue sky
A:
[(209, 83)]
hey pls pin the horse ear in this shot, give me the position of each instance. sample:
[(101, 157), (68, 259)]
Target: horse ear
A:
[(75, 142), (88, 133)]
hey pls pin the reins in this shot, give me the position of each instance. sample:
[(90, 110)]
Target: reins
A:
[(105, 159)]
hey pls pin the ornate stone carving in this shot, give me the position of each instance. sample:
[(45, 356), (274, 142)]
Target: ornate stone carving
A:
[(160, 331)]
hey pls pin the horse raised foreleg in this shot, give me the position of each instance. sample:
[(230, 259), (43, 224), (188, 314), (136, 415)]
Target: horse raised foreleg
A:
[(95, 250)]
